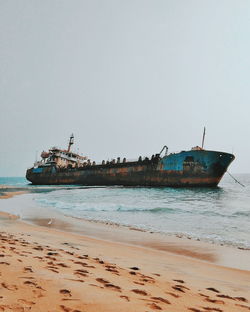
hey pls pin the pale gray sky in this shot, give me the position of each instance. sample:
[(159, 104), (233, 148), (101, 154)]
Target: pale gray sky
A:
[(126, 77)]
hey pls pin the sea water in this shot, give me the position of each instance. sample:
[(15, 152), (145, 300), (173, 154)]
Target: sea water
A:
[(220, 215)]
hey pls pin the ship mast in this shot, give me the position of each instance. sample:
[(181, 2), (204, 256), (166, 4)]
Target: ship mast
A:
[(71, 142), (203, 137)]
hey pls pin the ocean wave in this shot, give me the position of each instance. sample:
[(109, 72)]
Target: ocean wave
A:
[(242, 213), (220, 216), (109, 207)]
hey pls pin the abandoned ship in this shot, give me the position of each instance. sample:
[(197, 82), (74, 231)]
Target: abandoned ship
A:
[(194, 168)]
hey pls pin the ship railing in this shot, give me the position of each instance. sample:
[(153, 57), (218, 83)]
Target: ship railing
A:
[(116, 161), (119, 160)]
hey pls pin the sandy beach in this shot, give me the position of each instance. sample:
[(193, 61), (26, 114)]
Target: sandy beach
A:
[(55, 265)]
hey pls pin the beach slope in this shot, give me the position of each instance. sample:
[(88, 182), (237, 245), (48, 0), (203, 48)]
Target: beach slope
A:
[(44, 269)]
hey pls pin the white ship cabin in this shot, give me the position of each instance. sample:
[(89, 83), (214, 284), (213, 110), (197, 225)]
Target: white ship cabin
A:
[(65, 159), (62, 158)]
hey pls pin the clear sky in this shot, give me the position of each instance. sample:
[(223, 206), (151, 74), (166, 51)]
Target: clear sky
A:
[(126, 77)]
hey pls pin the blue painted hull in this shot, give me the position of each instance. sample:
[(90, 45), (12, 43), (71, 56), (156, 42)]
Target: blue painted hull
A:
[(194, 168)]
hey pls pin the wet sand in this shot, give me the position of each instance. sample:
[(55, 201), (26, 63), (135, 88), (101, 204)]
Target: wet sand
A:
[(6, 195), (99, 267)]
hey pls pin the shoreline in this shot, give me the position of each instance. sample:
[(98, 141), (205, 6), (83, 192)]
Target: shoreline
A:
[(52, 268), (182, 235), (223, 255), (226, 256)]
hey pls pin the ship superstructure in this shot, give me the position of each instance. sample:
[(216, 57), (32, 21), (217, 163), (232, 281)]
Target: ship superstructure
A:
[(62, 159)]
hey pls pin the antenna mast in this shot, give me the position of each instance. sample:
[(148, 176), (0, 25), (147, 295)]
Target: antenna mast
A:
[(71, 142), (203, 137)]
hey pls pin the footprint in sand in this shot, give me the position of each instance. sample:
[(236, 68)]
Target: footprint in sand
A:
[(134, 268), (37, 257), (172, 294), (69, 253), (243, 306), (9, 287), (215, 301), (75, 280), (66, 309), (102, 280), (161, 300), (99, 260), (183, 287), (148, 280), (81, 257), (154, 306), (140, 292), (6, 263), (113, 270), (63, 265), (28, 269), (53, 254), (51, 258), (125, 297), (84, 264), (38, 248), (213, 289), (206, 296), (212, 309), (110, 266), (53, 269), (23, 301), (81, 273), (38, 293), (132, 273), (241, 299), (139, 283), (178, 288), (113, 287), (70, 299), (30, 283), (224, 296), (179, 281), (108, 284), (94, 285), (27, 252), (65, 292), (194, 310), (16, 308)]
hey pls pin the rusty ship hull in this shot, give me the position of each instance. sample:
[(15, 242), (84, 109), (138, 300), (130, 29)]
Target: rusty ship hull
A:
[(194, 168)]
